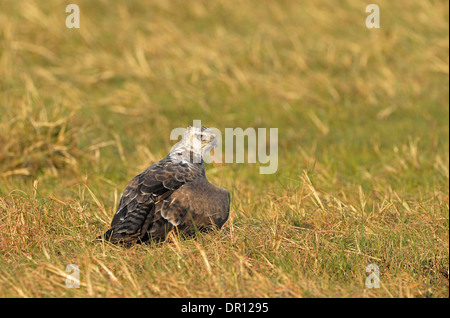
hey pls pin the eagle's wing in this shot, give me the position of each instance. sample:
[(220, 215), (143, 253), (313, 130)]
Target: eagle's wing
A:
[(141, 200), (196, 205)]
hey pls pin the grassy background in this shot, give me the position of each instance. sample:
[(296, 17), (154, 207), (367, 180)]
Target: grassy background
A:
[(363, 121)]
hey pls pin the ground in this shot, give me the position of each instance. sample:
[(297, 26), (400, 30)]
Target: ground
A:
[(363, 132)]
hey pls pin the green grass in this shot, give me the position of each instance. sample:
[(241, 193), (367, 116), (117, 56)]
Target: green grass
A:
[(363, 124)]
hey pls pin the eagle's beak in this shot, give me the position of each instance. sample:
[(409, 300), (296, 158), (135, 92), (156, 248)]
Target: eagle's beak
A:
[(213, 141)]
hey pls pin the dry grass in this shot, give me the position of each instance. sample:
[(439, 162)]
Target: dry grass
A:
[(363, 145)]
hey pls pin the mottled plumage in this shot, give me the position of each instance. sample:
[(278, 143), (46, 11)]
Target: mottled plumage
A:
[(173, 192)]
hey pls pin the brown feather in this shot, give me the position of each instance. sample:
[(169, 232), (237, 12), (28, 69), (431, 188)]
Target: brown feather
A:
[(171, 192)]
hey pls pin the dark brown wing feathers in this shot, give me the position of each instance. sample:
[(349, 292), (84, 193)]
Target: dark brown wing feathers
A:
[(167, 194)]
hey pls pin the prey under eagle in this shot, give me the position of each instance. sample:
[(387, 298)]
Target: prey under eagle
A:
[(173, 192)]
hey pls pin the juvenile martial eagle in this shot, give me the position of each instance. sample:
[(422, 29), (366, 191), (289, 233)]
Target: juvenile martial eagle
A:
[(173, 192)]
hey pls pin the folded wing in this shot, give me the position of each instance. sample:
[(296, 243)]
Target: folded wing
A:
[(141, 202)]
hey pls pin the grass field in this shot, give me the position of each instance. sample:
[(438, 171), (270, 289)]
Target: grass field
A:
[(363, 132)]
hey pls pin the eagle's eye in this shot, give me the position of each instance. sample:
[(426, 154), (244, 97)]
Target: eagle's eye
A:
[(201, 137)]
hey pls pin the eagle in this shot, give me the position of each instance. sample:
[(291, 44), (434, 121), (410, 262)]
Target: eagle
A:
[(172, 193)]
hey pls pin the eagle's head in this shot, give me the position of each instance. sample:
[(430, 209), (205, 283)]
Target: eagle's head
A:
[(196, 143), (202, 140)]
